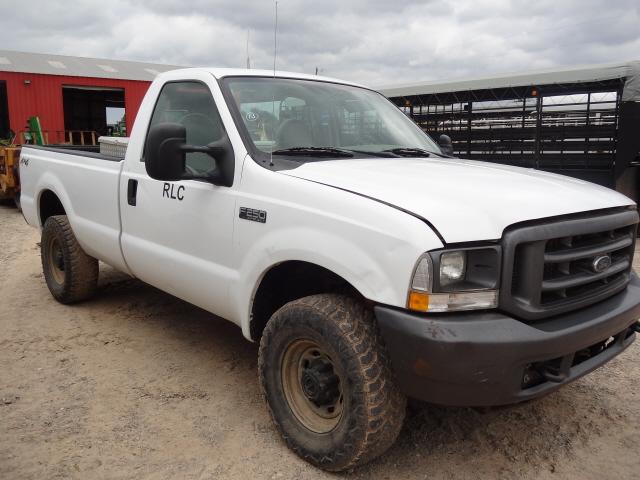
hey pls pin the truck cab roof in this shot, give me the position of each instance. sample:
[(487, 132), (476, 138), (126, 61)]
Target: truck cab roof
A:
[(245, 72)]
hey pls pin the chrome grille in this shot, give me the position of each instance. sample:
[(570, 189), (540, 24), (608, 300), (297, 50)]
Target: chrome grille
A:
[(550, 267)]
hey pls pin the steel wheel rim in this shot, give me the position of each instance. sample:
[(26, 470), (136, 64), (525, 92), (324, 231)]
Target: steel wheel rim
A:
[(303, 363), (56, 261)]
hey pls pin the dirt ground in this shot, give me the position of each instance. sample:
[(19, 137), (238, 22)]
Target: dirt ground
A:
[(138, 384)]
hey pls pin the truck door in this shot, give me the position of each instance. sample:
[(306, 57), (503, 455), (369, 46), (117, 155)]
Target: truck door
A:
[(177, 235)]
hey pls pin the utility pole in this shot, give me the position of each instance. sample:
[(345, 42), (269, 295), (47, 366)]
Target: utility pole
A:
[(248, 58)]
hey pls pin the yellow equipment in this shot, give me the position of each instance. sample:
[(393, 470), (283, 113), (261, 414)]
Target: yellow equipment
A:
[(9, 180)]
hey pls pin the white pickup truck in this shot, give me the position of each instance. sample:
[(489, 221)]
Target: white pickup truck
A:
[(370, 265)]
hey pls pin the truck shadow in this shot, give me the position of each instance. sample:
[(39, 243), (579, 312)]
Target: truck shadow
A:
[(145, 306), (494, 442), (510, 441), (135, 295)]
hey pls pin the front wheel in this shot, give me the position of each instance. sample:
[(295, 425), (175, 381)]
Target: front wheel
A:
[(70, 273), (328, 383)]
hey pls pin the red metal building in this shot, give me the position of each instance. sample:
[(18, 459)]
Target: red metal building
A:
[(70, 95)]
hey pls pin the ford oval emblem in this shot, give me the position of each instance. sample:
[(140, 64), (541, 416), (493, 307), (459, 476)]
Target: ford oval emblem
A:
[(601, 263)]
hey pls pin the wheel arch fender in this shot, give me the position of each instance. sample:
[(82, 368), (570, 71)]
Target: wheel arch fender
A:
[(50, 184), (341, 258)]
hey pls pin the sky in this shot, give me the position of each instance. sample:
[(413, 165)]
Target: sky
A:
[(373, 42)]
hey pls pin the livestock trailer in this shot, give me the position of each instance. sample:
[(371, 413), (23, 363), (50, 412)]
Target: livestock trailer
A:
[(583, 122)]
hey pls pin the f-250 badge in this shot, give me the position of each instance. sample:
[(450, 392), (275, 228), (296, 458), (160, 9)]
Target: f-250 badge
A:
[(253, 215)]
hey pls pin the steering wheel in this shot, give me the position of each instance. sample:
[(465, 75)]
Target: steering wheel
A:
[(202, 125), (191, 170), (204, 129)]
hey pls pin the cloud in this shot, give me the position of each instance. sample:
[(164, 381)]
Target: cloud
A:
[(375, 42)]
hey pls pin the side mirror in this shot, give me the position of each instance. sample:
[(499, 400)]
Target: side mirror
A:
[(165, 151), (445, 144)]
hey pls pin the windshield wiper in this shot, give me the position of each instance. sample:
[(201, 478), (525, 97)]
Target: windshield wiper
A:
[(380, 153), (409, 152), (332, 151), (314, 152)]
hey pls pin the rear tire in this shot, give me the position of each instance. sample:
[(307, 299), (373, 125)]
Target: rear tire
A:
[(327, 380), (71, 274)]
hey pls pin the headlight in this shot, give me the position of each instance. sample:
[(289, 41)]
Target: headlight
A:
[(452, 267), (454, 280)]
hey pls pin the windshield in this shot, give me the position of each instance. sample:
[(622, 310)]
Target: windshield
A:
[(304, 117)]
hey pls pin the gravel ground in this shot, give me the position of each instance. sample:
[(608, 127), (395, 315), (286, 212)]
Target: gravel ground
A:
[(138, 384)]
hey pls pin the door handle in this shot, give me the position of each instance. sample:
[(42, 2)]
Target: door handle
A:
[(132, 190)]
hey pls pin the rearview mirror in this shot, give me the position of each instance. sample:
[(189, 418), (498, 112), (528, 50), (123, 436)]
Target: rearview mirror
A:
[(445, 145), (164, 154), (165, 151)]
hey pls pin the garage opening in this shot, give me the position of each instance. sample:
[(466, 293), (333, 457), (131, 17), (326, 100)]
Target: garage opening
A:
[(90, 112), (4, 112)]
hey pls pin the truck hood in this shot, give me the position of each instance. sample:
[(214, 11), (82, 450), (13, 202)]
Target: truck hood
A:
[(464, 200)]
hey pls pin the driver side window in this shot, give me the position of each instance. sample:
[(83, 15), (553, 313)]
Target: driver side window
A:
[(191, 105)]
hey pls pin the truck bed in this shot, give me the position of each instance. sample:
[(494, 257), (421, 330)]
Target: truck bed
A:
[(88, 185), (92, 151)]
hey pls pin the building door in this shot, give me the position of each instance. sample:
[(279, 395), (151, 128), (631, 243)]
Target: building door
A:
[(85, 112)]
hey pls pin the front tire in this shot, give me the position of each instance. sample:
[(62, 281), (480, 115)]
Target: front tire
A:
[(71, 274), (327, 381)]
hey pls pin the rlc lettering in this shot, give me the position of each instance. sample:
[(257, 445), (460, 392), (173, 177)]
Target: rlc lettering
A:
[(169, 190)]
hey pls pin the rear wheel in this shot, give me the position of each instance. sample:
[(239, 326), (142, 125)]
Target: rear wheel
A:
[(70, 273), (327, 381)]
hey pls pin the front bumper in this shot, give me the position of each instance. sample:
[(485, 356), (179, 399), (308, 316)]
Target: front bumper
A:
[(489, 358)]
